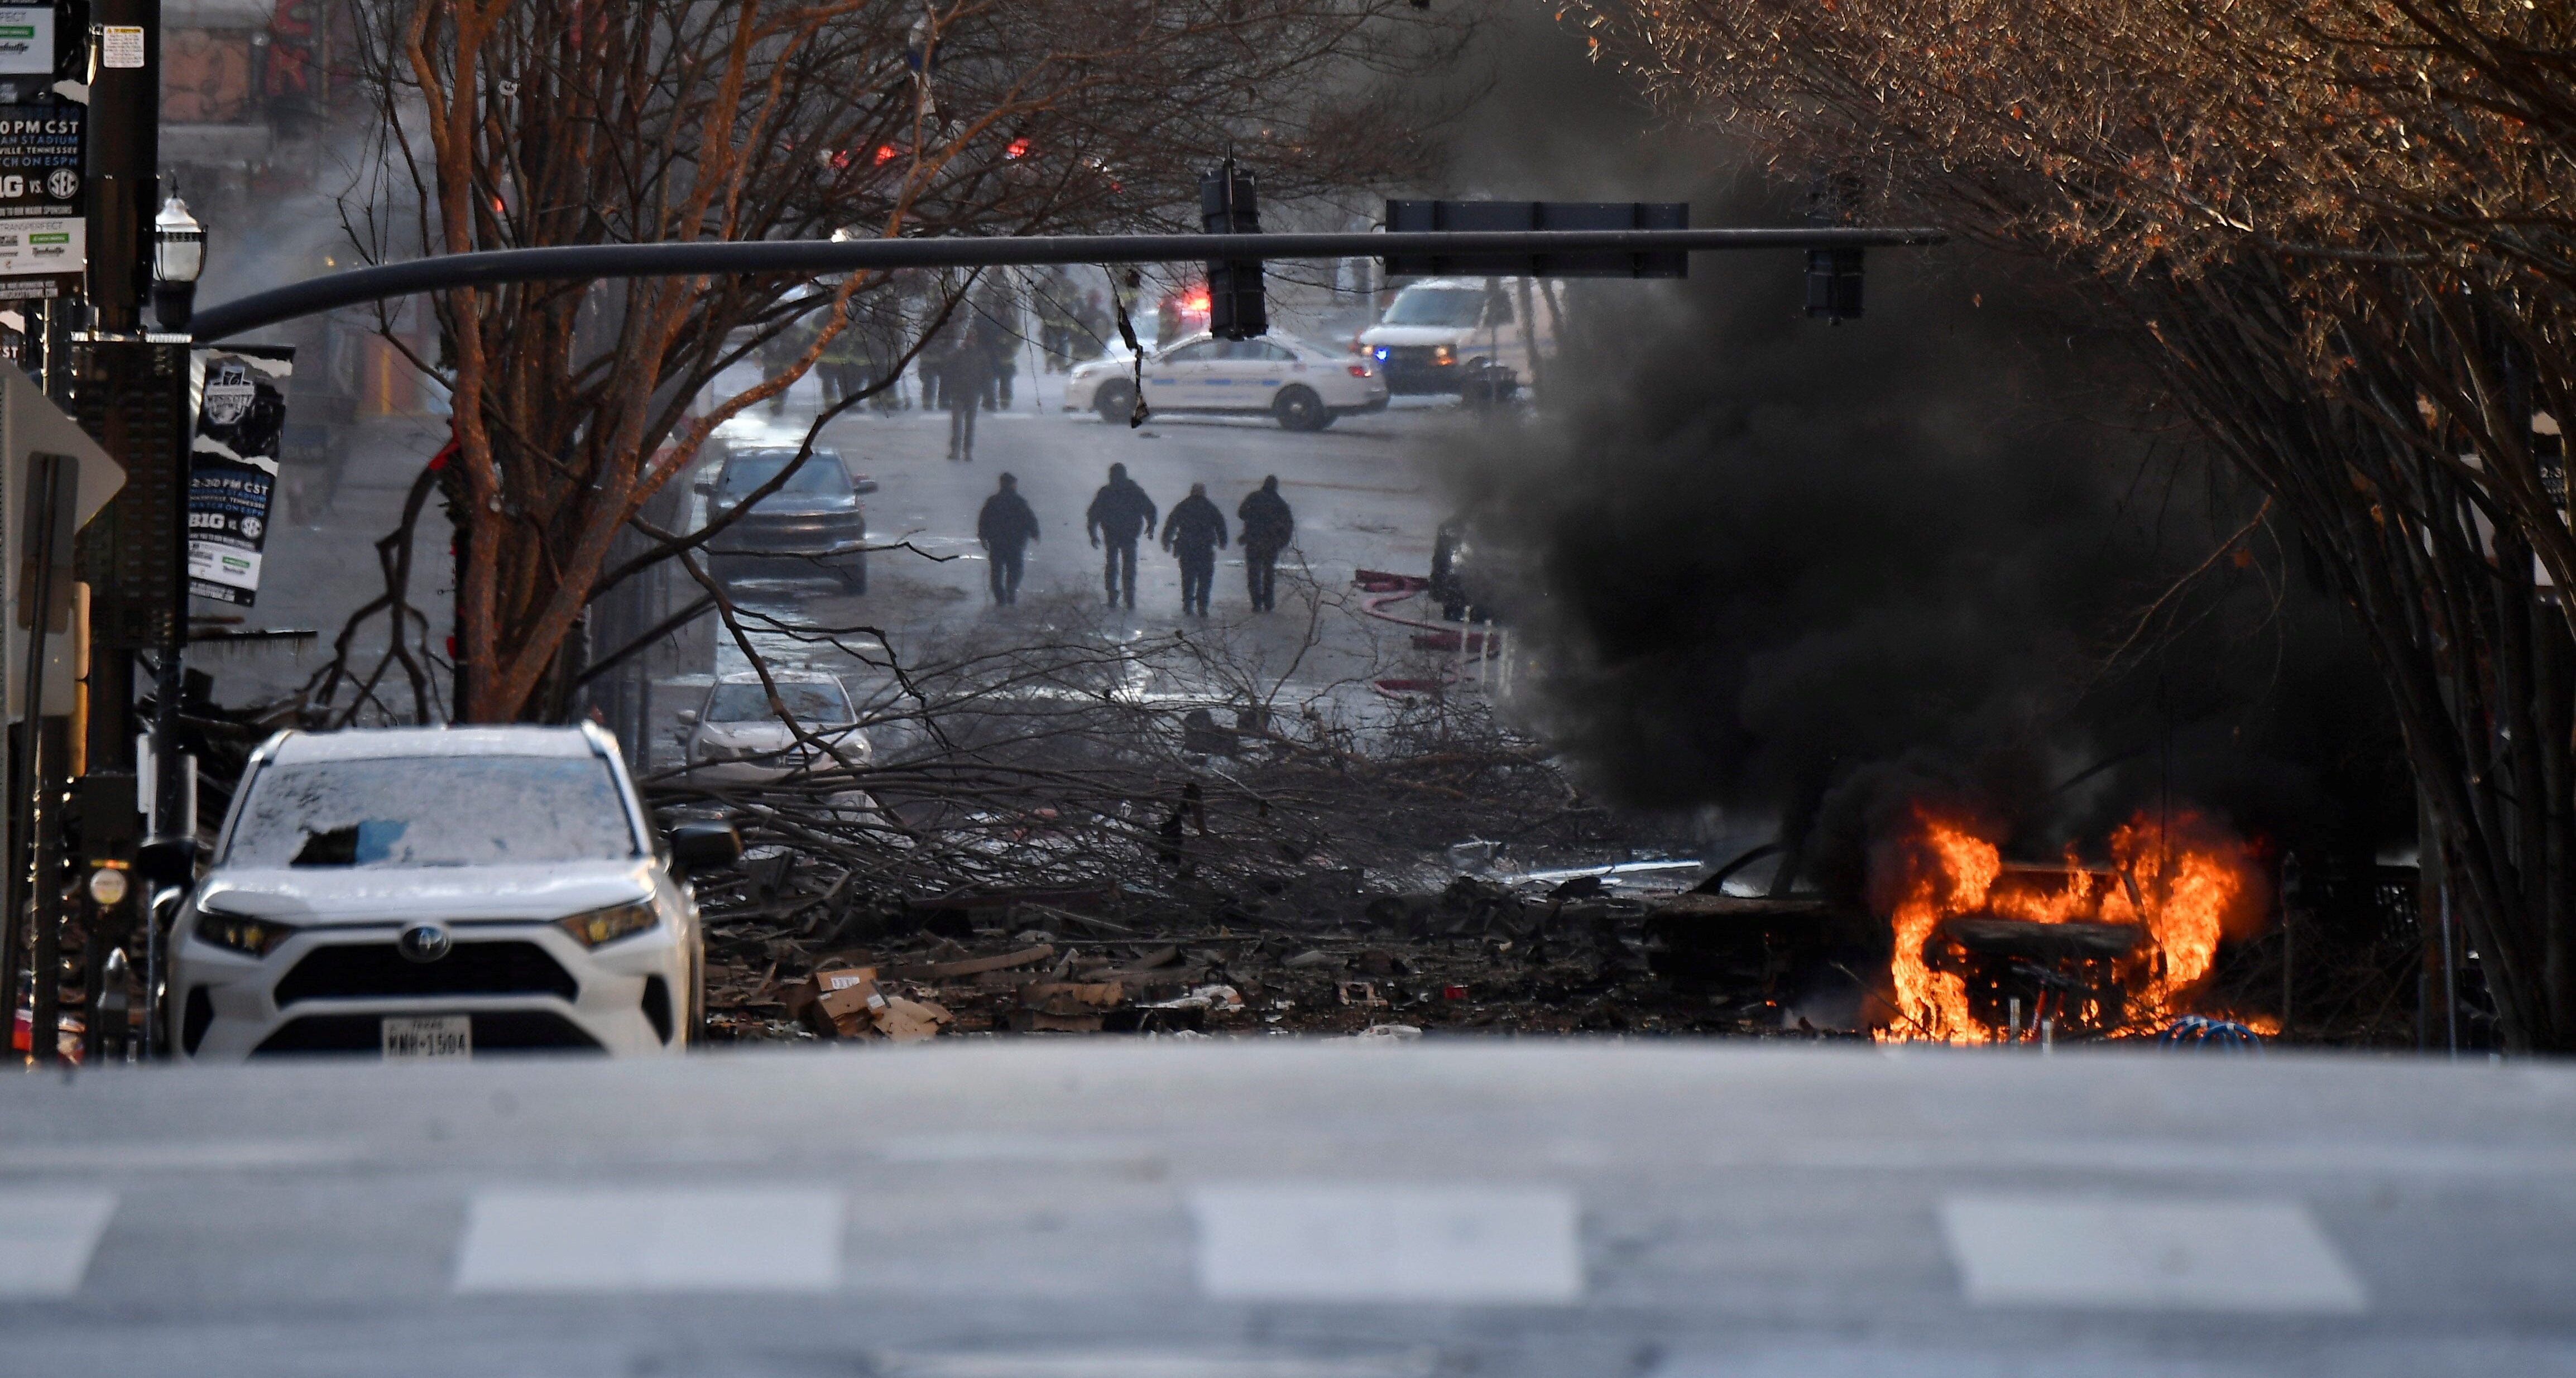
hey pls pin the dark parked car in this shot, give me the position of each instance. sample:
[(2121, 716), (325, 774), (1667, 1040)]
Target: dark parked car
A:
[(813, 523)]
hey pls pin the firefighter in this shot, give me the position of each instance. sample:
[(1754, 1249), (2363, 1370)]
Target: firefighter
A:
[(1195, 532), (1120, 512), (1055, 318), (1006, 527), (1268, 526)]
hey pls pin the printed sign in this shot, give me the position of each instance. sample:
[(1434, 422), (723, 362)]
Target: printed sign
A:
[(120, 45), (44, 235), (26, 40), (240, 397)]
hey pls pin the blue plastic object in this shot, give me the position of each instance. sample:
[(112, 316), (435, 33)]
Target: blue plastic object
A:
[(2198, 1033)]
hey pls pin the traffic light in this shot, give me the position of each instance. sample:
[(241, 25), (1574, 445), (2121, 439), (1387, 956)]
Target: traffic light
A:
[(1834, 275), (1833, 284), (1230, 203)]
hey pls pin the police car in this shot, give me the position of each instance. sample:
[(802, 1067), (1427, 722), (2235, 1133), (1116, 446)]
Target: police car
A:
[(1305, 388)]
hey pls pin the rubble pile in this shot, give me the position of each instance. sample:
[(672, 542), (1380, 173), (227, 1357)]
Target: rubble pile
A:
[(1481, 955)]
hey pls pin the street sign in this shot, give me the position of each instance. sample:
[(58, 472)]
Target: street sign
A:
[(43, 227), (1415, 217), (32, 426), (240, 406)]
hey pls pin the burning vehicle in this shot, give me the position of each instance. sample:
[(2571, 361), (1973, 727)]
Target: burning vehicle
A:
[(1985, 950)]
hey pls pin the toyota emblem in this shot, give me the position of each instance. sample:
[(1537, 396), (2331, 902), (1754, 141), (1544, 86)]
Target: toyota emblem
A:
[(424, 942)]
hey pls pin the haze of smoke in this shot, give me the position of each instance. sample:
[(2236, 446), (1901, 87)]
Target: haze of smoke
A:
[(1785, 567)]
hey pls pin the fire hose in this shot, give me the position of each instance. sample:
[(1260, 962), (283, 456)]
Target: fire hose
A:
[(1384, 589)]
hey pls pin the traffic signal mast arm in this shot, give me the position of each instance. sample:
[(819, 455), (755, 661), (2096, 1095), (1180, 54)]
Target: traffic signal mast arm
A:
[(589, 261)]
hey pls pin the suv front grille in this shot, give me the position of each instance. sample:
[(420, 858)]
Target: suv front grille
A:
[(785, 533), (362, 971)]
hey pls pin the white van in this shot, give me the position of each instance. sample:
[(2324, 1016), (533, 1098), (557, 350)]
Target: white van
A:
[(1463, 336)]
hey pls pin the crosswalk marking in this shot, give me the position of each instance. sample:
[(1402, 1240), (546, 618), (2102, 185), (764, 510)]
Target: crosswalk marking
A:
[(1466, 1245), (47, 1237), (652, 1240), (2146, 1254)]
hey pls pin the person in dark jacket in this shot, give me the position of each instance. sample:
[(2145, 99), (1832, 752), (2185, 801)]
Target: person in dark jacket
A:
[(963, 382), (1120, 512), (1268, 526), (1196, 532), (1006, 528)]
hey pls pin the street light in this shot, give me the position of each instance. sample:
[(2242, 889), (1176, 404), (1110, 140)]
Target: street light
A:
[(178, 256)]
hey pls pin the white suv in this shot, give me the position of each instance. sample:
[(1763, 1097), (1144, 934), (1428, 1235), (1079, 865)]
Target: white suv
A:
[(440, 893)]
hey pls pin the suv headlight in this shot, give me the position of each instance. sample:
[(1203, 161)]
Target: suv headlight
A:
[(241, 933), (601, 926)]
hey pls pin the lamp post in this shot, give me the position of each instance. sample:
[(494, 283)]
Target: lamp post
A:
[(178, 257)]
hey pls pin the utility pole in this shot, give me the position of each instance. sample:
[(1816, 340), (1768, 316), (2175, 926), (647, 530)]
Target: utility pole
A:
[(130, 392)]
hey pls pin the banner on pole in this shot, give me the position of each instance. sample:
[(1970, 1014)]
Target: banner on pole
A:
[(239, 395), (43, 197)]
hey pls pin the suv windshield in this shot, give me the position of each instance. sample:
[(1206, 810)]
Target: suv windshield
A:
[(1436, 306), (433, 811), (822, 474), (810, 704)]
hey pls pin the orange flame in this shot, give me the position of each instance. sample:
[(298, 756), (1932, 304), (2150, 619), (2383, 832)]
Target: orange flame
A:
[(2188, 884)]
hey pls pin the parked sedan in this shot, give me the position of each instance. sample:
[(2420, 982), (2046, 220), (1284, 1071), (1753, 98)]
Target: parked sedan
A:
[(1305, 388), (441, 893), (737, 737)]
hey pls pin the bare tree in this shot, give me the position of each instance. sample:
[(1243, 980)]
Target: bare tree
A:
[(523, 123), (2340, 231)]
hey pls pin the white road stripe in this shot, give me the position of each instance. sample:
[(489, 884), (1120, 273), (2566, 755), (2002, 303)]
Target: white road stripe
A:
[(646, 1240), (47, 1237), (2146, 1254), (1294, 1242)]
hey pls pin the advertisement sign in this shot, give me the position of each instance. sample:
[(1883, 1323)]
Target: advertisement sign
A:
[(44, 235), (26, 40), (239, 395)]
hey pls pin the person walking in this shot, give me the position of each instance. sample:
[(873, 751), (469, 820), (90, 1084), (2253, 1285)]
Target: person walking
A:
[(1195, 532), (1268, 526), (962, 385), (1006, 527), (1120, 512)]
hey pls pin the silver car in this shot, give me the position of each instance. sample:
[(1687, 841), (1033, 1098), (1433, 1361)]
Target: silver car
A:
[(440, 893), (736, 738)]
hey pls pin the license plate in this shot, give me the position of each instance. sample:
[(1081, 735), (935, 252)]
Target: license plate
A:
[(435, 1036)]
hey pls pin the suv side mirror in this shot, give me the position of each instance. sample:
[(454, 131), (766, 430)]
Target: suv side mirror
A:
[(167, 861), (688, 716), (705, 846), (705, 487)]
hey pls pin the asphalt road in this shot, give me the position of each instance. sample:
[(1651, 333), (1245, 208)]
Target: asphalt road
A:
[(1365, 492), (1288, 1210)]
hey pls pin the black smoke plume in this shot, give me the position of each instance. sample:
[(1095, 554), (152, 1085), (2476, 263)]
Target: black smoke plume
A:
[(1812, 572)]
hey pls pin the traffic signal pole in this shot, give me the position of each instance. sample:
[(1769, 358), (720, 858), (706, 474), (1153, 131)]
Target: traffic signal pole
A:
[(711, 259)]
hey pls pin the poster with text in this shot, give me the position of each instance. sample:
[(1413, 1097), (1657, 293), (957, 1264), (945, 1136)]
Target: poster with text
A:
[(239, 394)]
